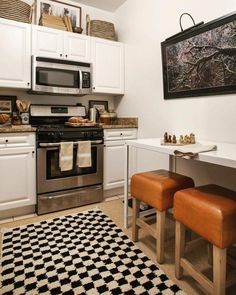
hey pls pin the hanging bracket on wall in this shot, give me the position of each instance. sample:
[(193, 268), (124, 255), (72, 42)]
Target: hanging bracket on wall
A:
[(180, 20), (188, 29)]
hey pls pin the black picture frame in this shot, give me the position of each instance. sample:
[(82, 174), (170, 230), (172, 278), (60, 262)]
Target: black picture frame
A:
[(7, 104), (100, 105), (201, 61)]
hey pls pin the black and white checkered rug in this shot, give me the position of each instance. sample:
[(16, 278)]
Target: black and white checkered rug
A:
[(84, 253)]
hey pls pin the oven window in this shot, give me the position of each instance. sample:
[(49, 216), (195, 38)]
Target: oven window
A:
[(57, 77), (53, 169)]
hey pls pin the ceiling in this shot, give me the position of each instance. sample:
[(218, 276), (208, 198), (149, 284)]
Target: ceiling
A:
[(109, 5)]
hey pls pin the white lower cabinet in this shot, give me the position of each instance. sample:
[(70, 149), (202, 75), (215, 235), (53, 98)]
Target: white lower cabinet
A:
[(18, 170), (114, 156)]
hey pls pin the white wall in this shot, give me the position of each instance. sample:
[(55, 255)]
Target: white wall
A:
[(142, 26)]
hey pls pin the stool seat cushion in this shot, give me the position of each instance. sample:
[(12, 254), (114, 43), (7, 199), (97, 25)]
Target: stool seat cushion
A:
[(210, 211), (157, 188)]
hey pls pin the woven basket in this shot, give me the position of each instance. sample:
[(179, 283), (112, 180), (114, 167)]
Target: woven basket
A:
[(100, 29), (15, 10)]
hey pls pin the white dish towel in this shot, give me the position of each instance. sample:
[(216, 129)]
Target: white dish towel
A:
[(66, 156), (192, 150), (84, 154)]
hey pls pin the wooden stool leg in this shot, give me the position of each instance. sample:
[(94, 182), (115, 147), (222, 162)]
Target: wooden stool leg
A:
[(160, 235), (219, 270), (135, 215), (210, 253), (179, 248)]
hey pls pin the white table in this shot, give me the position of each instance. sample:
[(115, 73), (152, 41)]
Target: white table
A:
[(225, 155)]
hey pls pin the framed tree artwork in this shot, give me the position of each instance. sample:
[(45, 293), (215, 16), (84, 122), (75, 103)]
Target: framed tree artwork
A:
[(201, 61)]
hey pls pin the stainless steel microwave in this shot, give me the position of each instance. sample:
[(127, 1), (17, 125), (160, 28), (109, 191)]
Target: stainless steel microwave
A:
[(62, 77)]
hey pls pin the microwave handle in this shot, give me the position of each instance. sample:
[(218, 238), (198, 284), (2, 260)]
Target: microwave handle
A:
[(80, 80)]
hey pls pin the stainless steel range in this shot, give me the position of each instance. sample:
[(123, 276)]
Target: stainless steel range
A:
[(56, 189)]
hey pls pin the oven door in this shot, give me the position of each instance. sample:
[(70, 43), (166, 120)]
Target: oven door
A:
[(51, 179)]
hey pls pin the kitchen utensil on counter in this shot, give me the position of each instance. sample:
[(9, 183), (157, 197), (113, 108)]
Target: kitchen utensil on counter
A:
[(105, 118), (24, 118), (16, 119), (113, 116), (23, 105), (93, 114)]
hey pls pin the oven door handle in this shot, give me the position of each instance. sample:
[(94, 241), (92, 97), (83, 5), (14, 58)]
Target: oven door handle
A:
[(57, 144)]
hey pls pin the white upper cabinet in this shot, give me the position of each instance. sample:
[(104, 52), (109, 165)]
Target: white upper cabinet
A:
[(47, 42), (54, 43), (77, 47), (108, 66), (15, 54)]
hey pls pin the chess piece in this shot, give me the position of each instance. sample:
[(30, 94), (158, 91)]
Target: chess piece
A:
[(169, 139), (165, 137), (192, 138), (174, 139), (186, 139), (181, 139)]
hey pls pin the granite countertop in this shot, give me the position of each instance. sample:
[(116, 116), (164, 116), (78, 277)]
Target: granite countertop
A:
[(17, 129), (122, 123)]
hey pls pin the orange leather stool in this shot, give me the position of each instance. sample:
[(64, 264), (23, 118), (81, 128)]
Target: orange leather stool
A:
[(155, 188), (210, 211)]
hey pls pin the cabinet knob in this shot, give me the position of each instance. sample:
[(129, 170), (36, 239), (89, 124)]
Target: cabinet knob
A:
[(94, 87), (33, 152), (61, 55), (66, 55), (28, 83), (6, 140)]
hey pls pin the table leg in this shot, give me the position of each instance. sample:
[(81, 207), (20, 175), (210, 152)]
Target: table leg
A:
[(172, 163), (126, 187)]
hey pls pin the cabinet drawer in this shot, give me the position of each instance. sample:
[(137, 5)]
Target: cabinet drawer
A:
[(17, 139), (120, 134)]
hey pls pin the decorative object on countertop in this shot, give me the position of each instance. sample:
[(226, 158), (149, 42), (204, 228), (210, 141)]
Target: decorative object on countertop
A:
[(113, 116), (7, 104), (23, 108), (100, 29), (15, 10), (183, 140), (105, 117), (199, 61), (100, 105), (16, 119), (59, 12)]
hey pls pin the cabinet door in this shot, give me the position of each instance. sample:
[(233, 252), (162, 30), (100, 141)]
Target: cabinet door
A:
[(114, 164), (108, 66), (114, 169), (15, 54), (47, 42), (77, 47), (17, 174)]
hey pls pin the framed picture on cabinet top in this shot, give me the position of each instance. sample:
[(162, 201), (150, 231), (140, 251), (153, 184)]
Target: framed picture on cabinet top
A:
[(7, 104), (100, 105), (59, 8)]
